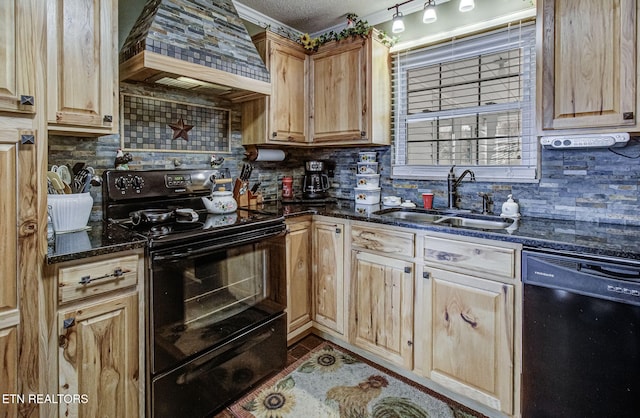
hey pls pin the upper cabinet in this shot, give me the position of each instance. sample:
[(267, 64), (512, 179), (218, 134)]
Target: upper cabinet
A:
[(82, 52), (339, 95), (351, 93), (587, 65), (17, 66), (282, 117)]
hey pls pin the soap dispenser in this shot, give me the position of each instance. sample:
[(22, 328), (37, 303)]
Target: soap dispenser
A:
[(510, 209)]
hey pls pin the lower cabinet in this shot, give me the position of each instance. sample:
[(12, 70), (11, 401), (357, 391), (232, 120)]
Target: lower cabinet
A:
[(382, 299), (298, 276), (98, 359), (328, 277), (467, 332), (96, 331)]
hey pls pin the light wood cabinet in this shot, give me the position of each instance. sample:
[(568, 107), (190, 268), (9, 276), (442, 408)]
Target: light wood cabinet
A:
[(98, 357), (468, 327), (328, 276), (9, 269), (466, 318), (587, 65), (282, 117), (17, 58), (298, 276), (97, 330), (382, 301), (350, 87), (82, 58)]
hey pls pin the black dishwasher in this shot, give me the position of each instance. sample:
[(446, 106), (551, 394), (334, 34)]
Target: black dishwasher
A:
[(581, 336)]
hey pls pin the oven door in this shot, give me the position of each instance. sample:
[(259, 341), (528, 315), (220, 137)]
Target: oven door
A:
[(203, 295)]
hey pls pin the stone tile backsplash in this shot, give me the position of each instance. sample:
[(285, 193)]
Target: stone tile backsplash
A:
[(593, 185)]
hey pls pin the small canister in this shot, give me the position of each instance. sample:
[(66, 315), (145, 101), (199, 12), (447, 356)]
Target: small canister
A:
[(287, 187)]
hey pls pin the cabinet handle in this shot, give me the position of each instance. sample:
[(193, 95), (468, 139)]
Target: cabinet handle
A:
[(338, 230), (27, 100), (407, 269), (63, 339), (108, 118), (118, 272), (469, 320), (627, 115), (409, 343), (426, 275)]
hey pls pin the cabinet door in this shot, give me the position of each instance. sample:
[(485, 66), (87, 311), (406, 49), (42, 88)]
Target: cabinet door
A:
[(328, 276), (298, 275), (17, 65), (382, 290), (8, 221), (9, 370), (82, 87), (469, 339), (338, 94), (98, 357), (287, 109), (587, 68)]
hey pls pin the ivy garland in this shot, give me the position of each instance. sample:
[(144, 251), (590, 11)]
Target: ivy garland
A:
[(355, 28)]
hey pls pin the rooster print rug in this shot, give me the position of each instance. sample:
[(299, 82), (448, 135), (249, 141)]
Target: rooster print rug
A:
[(330, 382)]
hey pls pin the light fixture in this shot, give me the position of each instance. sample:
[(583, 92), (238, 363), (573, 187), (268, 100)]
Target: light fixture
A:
[(466, 5), (429, 15), (398, 23)]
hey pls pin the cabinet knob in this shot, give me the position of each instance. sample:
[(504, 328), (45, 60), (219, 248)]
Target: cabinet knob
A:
[(627, 115), (27, 100), (409, 343), (426, 275), (338, 230), (363, 134), (407, 269), (27, 139), (68, 323), (274, 134), (108, 118)]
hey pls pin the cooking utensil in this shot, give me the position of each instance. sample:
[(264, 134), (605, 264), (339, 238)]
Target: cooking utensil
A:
[(77, 167), (150, 216), (57, 184), (79, 180)]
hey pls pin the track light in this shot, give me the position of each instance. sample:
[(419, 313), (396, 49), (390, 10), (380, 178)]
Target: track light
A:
[(398, 22), (429, 15), (466, 5)]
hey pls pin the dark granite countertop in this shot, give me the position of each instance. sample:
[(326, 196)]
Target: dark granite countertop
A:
[(99, 238), (586, 238)]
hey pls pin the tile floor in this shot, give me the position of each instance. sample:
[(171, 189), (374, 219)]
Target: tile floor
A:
[(296, 351)]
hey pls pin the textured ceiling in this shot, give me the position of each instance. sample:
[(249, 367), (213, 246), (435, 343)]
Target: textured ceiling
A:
[(311, 16)]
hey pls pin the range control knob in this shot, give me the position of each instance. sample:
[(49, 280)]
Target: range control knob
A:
[(121, 183), (137, 182)]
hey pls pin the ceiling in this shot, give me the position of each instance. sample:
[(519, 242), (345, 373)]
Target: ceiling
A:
[(312, 16)]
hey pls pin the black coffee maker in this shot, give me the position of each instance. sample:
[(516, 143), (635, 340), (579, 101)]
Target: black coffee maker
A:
[(315, 183)]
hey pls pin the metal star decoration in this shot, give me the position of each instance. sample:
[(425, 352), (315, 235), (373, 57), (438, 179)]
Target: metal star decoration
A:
[(180, 129)]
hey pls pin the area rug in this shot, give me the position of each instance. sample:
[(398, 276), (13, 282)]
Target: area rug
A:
[(330, 381)]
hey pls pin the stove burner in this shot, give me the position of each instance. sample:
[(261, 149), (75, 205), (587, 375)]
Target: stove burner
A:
[(161, 230)]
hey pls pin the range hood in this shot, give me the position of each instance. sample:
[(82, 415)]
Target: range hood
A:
[(199, 45)]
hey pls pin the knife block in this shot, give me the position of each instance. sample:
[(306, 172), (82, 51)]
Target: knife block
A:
[(242, 194)]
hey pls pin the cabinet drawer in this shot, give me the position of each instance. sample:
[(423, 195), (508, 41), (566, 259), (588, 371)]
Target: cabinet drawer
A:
[(387, 242), (470, 256), (85, 280)]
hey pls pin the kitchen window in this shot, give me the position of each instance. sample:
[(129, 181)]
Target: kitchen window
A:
[(468, 103)]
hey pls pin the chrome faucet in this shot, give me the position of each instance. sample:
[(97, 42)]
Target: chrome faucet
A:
[(452, 185)]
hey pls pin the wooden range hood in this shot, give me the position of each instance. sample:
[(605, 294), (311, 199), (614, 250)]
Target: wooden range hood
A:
[(200, 45)]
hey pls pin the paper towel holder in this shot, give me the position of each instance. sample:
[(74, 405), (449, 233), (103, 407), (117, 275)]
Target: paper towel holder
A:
[(253, 153)]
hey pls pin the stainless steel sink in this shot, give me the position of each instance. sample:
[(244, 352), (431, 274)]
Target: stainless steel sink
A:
[(475, 223), (455, 218), (410, 215)]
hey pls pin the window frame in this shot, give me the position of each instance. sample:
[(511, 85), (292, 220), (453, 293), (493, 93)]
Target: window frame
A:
[(520, 35)]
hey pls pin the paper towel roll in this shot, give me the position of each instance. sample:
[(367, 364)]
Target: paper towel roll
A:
[(269, 155)]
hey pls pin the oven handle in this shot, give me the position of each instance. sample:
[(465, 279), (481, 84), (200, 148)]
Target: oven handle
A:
[(208, 249)]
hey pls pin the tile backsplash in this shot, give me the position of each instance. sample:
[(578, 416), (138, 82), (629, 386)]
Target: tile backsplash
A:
[(587, 185)]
